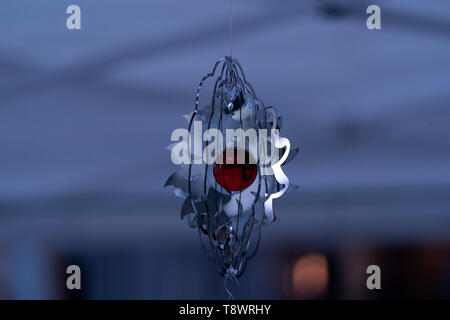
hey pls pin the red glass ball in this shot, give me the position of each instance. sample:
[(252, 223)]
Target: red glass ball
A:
[(233, 176)]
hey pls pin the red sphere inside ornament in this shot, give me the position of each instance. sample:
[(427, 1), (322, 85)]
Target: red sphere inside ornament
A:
[(233, 176)]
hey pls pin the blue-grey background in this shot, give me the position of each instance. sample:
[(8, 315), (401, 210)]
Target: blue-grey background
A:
[(85, 116)]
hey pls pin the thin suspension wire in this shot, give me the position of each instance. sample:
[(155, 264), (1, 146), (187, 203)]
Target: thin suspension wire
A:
[(231, 28)]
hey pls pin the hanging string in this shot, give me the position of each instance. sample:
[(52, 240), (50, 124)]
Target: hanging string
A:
[(231, 28)]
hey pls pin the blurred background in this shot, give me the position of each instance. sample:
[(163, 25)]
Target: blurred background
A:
[(85, 116)]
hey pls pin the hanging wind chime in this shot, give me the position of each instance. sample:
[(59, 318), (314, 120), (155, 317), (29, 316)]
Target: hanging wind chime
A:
[(230, 161)]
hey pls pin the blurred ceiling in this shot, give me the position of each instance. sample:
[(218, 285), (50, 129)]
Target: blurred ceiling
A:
[(85, 115)]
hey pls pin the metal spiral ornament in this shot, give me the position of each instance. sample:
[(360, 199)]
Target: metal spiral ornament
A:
[(228, 193)]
